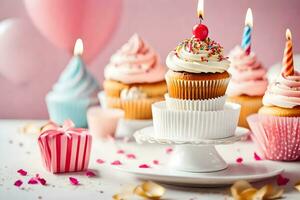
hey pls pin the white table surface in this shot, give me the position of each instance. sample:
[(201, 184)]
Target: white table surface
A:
[(19, 150)]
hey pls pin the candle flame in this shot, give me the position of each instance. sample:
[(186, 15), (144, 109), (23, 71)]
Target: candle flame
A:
[(78, 48), (200, 9), (249, 18), (288, 34)]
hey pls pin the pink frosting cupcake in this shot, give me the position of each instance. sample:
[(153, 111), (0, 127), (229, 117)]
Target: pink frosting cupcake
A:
[(248, 83), (276, 129), (134, 79)]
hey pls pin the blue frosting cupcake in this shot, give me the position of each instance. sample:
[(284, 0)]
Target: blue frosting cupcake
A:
[(75, 91)]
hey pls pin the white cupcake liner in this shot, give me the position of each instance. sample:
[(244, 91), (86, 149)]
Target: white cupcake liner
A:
[(189, 125), (196, 105)]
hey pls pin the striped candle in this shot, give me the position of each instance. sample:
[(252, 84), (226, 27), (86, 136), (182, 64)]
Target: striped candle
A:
[(246, 42), (287, 62)]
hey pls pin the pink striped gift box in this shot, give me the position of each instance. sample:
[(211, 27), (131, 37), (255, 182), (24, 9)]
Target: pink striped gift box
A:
[(65, 149)]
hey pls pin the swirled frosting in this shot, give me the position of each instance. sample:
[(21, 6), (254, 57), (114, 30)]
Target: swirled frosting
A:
[(75, 82), (248, 74), (195, 56), (284, 92), (135, 62)]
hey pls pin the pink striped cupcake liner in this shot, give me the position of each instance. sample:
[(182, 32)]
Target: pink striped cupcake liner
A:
[(278, 138)]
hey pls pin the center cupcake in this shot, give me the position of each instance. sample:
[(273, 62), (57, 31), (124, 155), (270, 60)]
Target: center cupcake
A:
[(197, 70), (134, 79), (197, 80)]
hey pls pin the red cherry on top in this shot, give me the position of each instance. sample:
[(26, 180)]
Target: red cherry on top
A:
[(200, 31)]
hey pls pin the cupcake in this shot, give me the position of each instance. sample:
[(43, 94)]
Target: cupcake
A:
[(197, 80), (197, 70), (134, 79), (248, 83), (75, 91), (276, 127)]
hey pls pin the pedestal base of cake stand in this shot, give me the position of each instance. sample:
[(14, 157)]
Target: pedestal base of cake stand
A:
[(192, 158), (199, 156)]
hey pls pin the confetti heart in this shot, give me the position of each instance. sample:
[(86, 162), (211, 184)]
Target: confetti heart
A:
[(73, 181), (281, 180)]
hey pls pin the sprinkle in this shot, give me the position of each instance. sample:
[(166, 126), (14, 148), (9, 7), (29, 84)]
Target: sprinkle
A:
[(169, 150), (73, 181), (131, 156), (32, 181), (116, 162), (100, 161), (239, 160), (155, 162), (90, 174), (281, 180), (22, 172), (120, 151), (257, 157), (144, 166), (18, 183)]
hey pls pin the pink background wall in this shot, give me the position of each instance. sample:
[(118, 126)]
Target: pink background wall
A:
[(163, 23)]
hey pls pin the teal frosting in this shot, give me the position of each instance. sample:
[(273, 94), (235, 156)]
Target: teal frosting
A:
[(75, 82)]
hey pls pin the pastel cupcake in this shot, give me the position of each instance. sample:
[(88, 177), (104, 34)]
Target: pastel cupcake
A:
[(248, 83), (75, 91), (134, 79), (197, 70), (276, 127)]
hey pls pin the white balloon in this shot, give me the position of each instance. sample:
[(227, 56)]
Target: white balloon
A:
[(24, 52)]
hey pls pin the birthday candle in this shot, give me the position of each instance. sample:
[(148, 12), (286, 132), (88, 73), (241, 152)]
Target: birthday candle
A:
[(287, 62), (246, 42)]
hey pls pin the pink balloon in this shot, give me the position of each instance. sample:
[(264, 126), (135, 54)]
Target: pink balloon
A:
[(63, 21), (25, 53)]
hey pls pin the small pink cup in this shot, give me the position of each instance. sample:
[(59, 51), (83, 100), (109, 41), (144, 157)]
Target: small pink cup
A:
[(103, 122)]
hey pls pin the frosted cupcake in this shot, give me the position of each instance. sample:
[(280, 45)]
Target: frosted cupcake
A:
[(197, 70), (276, 127), (248, 83), (134, 79), (74, 92)]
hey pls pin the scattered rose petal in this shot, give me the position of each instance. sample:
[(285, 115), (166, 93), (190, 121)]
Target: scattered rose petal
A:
[(144, 166), (150, 190), (18, 183), (120, 151), (155, 162), (257, 157), (281, 180), (244, 190), (239, 160), (22, 172), (116, 162), (131, 156), (297, 186), (169, 150), (100, 161), (90, 174), (32, 181), (42, 181), (73, 181)]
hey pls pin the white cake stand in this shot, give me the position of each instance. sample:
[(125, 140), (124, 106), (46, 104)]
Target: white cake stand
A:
[(193, 156)]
